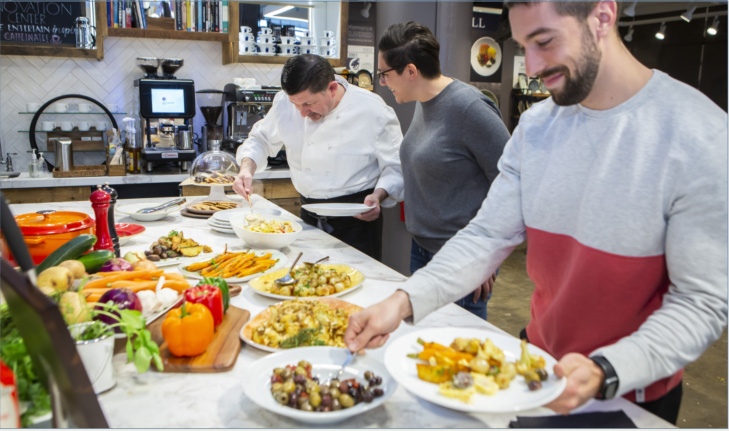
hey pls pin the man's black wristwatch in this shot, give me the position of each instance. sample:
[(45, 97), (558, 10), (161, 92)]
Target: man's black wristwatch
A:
[(610, 385)]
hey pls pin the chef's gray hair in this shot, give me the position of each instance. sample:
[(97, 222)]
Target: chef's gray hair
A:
[(306, 72)]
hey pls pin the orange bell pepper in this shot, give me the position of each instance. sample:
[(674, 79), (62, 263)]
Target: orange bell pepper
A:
[(188, 330)]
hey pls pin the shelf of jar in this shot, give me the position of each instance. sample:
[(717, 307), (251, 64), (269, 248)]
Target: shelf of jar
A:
[(73, 113)]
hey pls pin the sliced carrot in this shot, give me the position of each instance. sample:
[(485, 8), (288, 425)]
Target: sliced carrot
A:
[(126, 276)]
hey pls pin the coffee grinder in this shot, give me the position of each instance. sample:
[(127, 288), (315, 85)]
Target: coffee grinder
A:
[(210, 103)]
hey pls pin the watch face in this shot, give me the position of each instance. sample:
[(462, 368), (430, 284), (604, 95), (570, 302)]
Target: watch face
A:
[(365, 80)]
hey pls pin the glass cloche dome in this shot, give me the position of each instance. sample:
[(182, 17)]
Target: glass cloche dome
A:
[(214, 167)]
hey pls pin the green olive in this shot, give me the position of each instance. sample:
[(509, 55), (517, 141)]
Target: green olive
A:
[(276, 387), (315, 399), (304, 364), (336, 405), (307, 407), (346, 400), (334, 383), (334, 392), (531, 376), (277, 371), (289, 387), (302, 401), (286, 373), (282, 398), (300, 371)]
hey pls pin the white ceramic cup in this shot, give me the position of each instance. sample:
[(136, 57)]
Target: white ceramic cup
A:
[(309, 50), (67, 126), (328, 41), (329, 33), (84, 126), (308, 33), (290, 50), (246, 37), (266, 30), (32, 107), (248, 48), (308, 41), (244, 29), (48, 125), (267, 48), (265, 39), (330, 52), (288, 40), (101, 125), (84, 107), (112, 107), (61, 107)]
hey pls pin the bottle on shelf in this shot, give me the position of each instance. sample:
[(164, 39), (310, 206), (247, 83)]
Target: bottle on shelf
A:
[(133, 150), (34, 166)]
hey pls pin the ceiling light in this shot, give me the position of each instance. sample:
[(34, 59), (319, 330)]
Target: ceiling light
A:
[(630, 10), (714, 27), (686, 16), (629, 37), (277, 12), (661, 32)]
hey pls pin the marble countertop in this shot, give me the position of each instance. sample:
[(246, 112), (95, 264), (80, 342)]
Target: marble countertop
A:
[(24, 181), (166, 400)]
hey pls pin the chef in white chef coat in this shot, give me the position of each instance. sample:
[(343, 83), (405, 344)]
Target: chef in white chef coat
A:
[(342, 146)]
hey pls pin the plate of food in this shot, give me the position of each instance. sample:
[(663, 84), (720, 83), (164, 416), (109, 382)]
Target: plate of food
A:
[(213, 179), (210, 207), (281, 326), (486, 56), (313, 280), (473, 370), (174, 248), (235, 266), (324, 397)]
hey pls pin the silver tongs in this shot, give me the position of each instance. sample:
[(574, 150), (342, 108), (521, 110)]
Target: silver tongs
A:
[(163, 206)]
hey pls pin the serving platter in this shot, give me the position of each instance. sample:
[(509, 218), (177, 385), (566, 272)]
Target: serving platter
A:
[(262, 285), (337, 210), (247, 331), (275, 254), (179, 260), (326, 363), (517, 397)]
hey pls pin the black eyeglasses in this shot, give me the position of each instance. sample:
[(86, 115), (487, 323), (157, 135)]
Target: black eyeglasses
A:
[(381, 75)]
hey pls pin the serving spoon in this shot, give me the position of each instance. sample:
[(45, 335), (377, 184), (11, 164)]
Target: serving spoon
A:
[(288, 279)]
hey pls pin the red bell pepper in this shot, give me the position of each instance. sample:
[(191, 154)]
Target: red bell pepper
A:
[(209, 296)]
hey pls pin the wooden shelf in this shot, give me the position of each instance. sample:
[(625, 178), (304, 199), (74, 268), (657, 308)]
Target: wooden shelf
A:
[(167, 34), (9, 48), (277, 59)]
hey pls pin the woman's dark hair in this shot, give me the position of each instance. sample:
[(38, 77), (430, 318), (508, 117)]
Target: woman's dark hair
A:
[(306, 72), (411, 43)]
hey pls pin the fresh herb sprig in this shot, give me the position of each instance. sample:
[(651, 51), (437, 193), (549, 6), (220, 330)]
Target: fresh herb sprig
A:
[(305, 337)]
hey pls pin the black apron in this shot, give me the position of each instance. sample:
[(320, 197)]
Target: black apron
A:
[(365, 236)]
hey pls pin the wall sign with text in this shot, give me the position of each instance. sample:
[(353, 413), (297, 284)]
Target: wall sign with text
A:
[(39, 22)]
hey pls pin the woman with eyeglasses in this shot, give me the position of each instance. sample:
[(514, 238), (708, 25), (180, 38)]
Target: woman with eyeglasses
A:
[(450, 151)]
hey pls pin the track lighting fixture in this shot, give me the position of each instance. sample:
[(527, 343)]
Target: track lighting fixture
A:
[(714, 27), (686, 16), (661, 32), (630, 10), (629, 37)]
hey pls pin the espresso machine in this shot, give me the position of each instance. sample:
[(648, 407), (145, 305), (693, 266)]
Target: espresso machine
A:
[(244, 107), (166, 109)]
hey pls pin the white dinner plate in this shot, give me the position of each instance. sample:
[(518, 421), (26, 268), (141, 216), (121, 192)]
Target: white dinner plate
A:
[(219, 224), (223, 230), (517, 397), (275, 254), (337, 210), (180, 259), (224, 216), (475, 51), (255, 284), (325, 364)]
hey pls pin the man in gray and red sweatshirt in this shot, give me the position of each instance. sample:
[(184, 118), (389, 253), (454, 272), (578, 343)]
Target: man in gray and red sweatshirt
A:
[(619, 183)]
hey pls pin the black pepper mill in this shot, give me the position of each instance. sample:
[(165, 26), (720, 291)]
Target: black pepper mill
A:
[(112, 227)]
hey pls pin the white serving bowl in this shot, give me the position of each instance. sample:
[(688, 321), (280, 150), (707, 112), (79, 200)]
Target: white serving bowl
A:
[(265, 240), (131, 211), (325, 363)]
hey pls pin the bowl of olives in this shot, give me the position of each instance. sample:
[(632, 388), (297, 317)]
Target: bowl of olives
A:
[(305, 384)]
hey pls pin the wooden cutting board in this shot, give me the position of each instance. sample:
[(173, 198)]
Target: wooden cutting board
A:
[(221, 354)]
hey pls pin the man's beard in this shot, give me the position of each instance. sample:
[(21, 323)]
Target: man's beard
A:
[(317, 116), (577, 88)]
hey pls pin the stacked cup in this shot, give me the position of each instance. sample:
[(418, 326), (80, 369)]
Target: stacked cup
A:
[(288, 46), (246, 41), (265, 42), (328, 44)]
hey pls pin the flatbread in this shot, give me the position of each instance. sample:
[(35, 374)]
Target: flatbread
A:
[(333, 303)]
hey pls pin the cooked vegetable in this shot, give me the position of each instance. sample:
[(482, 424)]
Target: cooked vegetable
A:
[(435, 373), (124, 299), (71, 250), (94, 260), (116, 264), (228, 265), (188, 330)]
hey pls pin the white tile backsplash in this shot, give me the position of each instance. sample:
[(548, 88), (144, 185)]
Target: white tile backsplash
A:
[(26, 79)]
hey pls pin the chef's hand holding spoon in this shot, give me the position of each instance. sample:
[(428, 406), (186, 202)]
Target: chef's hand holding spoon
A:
[(243, 184)]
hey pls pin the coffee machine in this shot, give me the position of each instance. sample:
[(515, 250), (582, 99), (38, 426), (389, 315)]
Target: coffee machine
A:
[(166, 109), (210, 103), (244, 107)]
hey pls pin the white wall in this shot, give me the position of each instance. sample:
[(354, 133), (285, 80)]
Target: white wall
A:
[(38, 79)]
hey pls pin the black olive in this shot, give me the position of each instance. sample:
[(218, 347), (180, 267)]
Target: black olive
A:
[(300, 387), (368, 396), (316, 379), (299, 379), (353, 392), (294, 398), (368, 375), (378, 392), (372, 381), (378, 380), (326, 400), (542, 373), (344, 387), (534, 385)]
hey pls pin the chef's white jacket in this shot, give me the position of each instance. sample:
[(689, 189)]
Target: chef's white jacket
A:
[(354, 148)]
